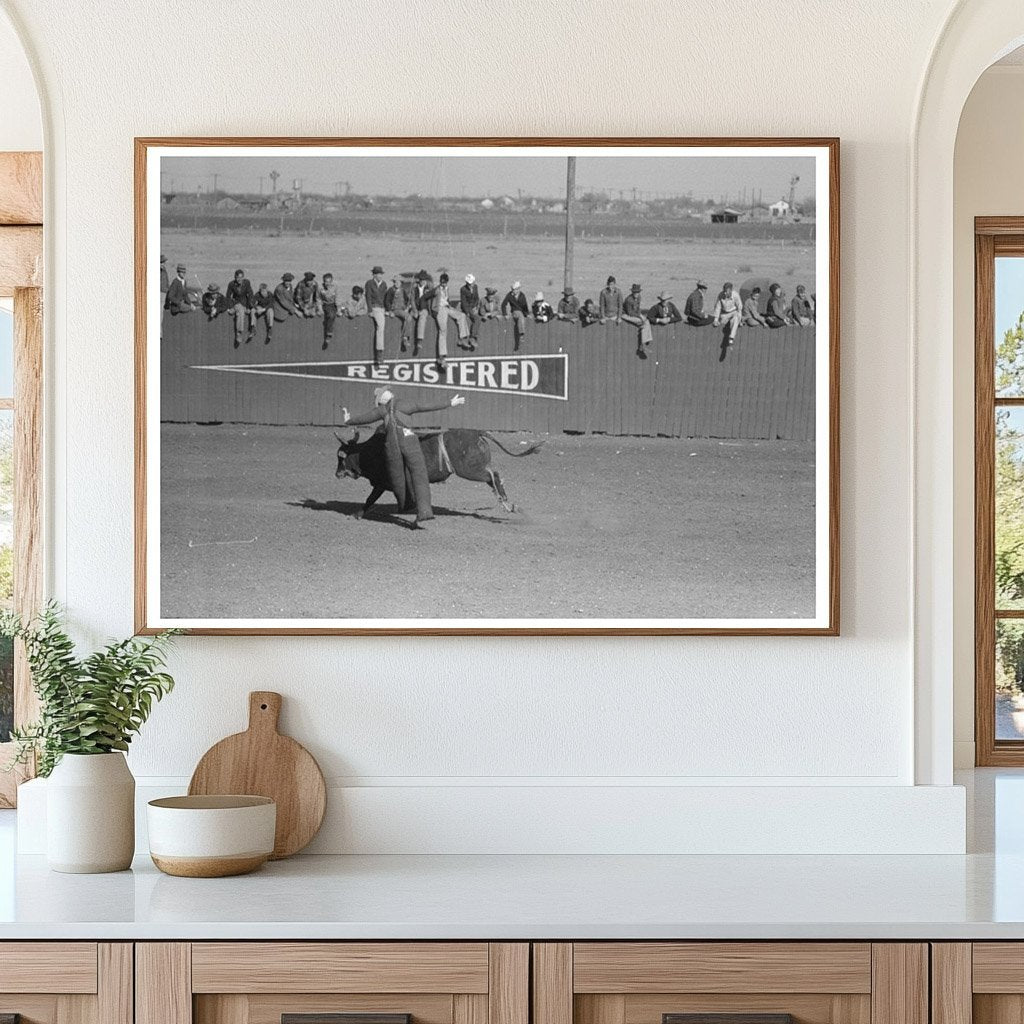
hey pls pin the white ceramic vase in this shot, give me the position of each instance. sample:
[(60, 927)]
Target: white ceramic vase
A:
[(90, 814)]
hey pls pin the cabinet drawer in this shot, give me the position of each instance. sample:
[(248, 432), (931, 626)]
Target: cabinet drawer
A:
[(332, 983), (730, 983), (58, 967), (981, 982), (340, 967), (635, 967), (66, 982)]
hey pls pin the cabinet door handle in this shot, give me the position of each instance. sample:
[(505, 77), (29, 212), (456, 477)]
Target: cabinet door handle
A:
[(727, 1018), (338, 1018)]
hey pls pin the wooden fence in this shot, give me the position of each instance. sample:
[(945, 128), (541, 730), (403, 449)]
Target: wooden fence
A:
[(690, 384)]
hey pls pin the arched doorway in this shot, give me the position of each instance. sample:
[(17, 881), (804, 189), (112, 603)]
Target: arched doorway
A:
[(977, 33)]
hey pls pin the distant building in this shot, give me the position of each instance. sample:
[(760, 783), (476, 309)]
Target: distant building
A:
[(487, 204), (780, 210), (227, 203), (726, 216)]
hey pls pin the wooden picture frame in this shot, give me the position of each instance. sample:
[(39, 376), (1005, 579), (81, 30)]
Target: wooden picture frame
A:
[(151, 198)]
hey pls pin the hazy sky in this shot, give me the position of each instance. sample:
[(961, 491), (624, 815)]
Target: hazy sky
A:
[(714, 177)]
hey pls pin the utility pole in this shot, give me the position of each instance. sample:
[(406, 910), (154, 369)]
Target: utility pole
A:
[(215, 177), (274, 175), (261, 184), (570, 224)]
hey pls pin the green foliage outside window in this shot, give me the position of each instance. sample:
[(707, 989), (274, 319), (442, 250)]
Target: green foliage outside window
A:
[(1009, 511)]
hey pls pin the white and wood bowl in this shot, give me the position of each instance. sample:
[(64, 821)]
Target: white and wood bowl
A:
[(211, 836)]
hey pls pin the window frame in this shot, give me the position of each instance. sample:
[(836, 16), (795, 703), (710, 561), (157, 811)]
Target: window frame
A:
[(21, 278), (993, 237)]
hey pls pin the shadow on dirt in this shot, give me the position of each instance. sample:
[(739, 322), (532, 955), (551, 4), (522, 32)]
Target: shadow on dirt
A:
[(380, 515)]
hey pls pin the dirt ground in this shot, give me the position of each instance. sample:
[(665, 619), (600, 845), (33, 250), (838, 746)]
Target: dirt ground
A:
[(255, 525), (673, 264)]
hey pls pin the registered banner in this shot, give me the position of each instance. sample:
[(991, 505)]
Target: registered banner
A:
[(539, 376)]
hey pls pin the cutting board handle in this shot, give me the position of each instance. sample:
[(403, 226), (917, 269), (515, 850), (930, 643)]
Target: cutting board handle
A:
[(264, 710)]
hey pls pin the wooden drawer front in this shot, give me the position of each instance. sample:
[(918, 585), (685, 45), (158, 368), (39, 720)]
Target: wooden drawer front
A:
[(726, 967), (56, 967), (998, 967), (48, 994), (648, 1009), (310, 967), (268, 1009)]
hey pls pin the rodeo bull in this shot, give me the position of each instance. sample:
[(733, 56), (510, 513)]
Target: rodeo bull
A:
[(461, 451)]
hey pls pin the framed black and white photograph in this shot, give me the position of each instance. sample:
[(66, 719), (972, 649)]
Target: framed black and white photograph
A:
[(499, 386)]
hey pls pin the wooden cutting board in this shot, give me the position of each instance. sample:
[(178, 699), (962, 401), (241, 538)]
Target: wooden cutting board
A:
[(262, 762)]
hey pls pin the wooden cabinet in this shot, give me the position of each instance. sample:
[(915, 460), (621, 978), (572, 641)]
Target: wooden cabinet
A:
[(978, 983), (750, 982), (494, 983), (305, 982), (66, 982)]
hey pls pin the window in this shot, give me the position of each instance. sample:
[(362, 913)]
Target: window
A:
[(999, 491), (21, 366)]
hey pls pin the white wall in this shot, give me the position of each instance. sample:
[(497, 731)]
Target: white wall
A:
[(987, 181), (21, 125), (454, 712)]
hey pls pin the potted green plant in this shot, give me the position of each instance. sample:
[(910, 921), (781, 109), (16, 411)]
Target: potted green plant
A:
[(90, 708)]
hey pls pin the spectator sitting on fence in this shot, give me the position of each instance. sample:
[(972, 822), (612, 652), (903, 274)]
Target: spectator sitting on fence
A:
[(307, 295), (729, 308), (441, 307), (751, 310), (262, 309), (610, 302), (376, 294), (490, 307), (589, 313), (693, 310), (776, 313), (177, 299), (632, 313), (398, 304), (284, 298), (356, 305), (469, 304), (801, 308), (238, 299), (421, 303), (213, 301), (664, 311), (541, 309), (515, 307), (568, 306), (328, 306)]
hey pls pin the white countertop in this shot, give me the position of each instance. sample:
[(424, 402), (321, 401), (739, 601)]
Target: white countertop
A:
[(977, 896), (496, 897)]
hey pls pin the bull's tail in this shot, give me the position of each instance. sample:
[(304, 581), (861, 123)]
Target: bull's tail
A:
[(528, 450)]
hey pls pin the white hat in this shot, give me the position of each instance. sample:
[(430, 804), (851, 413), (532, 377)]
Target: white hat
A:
[(381, 396), (515, 284), (470, 279), (538, 297)]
